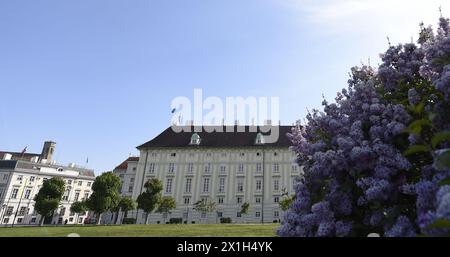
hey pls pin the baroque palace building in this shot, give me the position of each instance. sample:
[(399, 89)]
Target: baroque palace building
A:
[(21, 177), (228, 168)]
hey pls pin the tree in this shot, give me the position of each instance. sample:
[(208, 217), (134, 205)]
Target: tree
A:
[(372, 160), (126, 204), (150, 198), (286, 202), (167, 203), (105, 194), (48, 198), (244, 208), (77, 208), (205, 206)]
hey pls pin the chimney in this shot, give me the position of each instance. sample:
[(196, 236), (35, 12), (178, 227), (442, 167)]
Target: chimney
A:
[(48, 150)]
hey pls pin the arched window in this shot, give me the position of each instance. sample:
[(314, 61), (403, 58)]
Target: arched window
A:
[(259, 139), (195, 139)]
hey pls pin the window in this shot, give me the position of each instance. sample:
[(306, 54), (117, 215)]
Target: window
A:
[(151, 168), (203, 215), (275, 154), (195, 139), (32, 178), (208, 154), (69, 182), (238, 214), (19, 220), (241, 154), (276, 199), (77, 195), (190, 167), (27, 194), (221, 184), (9, 210), (223, 168), (171, 167), (259, 139), (276, 185), (185, 215), (208, 167), (241, 167), (14, 193), (154, 155), (19, 178), (66, 195), (294, 167), (62, 212), (258, 184), (86, 196), (239, 199), (257, 214), (80, 183), (169, 185), (33, 220), (71, 219), (173, 154), (258, 167), (220, 200), (121, 176), (130, 188), (187, 200), (131, 180), (6, 220), (276, 213), (258, 154), (258, 199), (5, 176), (134, 168), (276, 167), (89, 184), (187, 188), (22, 211), (240, 185), (219, 214), (205, 185)]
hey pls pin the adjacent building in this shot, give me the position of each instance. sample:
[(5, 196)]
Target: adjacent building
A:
[(22, 177), (228, 168)]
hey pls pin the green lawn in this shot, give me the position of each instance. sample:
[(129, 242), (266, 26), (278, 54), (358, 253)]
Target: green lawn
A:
[(163, 230)]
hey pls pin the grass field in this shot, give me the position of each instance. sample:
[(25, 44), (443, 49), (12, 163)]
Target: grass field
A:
[(166, 230)]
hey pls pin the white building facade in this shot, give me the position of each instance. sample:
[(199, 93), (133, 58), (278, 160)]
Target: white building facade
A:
[(21, 180), (228, 168)]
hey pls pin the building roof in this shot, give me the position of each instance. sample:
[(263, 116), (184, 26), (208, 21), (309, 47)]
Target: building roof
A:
[(27, 165), (170, 138), (124, 164), (19, 155)]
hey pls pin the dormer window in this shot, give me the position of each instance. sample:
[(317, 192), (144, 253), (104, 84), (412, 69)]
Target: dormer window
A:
[(195, 139), (259, 139)]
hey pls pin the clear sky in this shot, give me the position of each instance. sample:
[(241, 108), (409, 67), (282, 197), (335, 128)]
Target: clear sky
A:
[(98, 76)]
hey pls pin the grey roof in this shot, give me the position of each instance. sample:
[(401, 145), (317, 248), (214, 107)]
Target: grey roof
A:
[(21, 164), (170, 138)]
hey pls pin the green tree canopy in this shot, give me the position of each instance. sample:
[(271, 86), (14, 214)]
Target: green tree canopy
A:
[(48, 198), (167, 203), (151, 197), (105, 194)]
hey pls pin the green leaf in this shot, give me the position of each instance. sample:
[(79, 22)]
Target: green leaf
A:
[(444, 182), (416, 126), (440, 137), (440, 223), (416, 149), (442, 160)]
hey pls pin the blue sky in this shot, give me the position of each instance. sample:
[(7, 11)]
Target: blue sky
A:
[(98, 76)]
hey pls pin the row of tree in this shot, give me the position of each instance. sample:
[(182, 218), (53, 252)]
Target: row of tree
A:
[(106, 197)]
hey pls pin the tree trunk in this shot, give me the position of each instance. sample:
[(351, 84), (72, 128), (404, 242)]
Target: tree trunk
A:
[(146, 218), (116, 217), (99, 216), (125, 213), (41, 222)]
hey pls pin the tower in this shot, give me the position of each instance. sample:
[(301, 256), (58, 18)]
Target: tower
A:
[(48, 150)]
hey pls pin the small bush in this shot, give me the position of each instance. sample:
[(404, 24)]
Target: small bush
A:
[(225, 220), (129, 221), (175, 220), (193, 222)]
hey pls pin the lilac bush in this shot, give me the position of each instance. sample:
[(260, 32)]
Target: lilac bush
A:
[(370, 157)]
